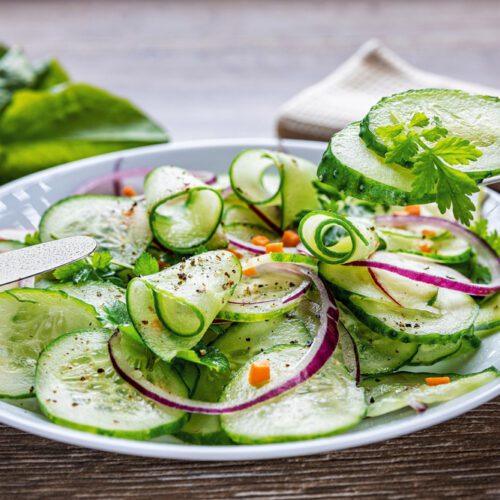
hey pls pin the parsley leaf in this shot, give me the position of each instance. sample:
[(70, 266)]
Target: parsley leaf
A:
[(67, 272), (208, 356), (101, 260), (146, 264), (32, 239), (117, 313), (433, 155), (492, 238)]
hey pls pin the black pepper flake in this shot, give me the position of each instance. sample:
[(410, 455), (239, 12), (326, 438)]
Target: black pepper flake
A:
[(100, 370)]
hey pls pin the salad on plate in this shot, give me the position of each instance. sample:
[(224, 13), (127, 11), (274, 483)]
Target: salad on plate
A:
[(283, 301)]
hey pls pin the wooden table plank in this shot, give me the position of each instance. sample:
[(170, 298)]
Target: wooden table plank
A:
[(218, 69)]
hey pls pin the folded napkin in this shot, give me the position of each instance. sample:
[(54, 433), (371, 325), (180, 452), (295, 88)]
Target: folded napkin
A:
[(347, 94)]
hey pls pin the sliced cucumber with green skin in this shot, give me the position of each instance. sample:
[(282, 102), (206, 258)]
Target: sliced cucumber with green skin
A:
[(335, 239), (95, 293), (242, 341), (263, 296), (350, 166), (30, 319), (468, 116), (377, 353), (446, 250), (295, 192), (77, 386), (188, 295), (388, 393), (119, 225), (327, 403), (8, 245), (246, 232), (240, 213), (206, 429), (488, 318), (184, 213), (389, 288)]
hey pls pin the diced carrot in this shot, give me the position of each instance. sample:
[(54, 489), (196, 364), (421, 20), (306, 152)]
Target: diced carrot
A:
[(235, 252), (260, 241), (249, 271), (437, 380), (290, 238), (428, 233), (260, 373), (129, 191), (413, 209), (425, 248), (274, 248)]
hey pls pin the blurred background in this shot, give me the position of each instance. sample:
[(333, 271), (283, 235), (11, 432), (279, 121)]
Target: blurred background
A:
[(215, 68)]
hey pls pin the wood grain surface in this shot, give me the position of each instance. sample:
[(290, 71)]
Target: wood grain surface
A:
[(219, 69)]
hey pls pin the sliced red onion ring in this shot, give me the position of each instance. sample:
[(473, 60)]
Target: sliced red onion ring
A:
[(484, 252), (418, 407), (381, 287), (300, 248), (321, 349), (457, 282), (116, 177), (244, 245), (291, 297), (265, 218)]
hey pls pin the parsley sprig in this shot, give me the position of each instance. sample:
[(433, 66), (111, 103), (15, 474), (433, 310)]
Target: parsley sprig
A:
[(427, 146), (492, 238), (94, 268)]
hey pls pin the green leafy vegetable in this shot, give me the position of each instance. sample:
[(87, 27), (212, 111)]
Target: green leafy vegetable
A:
[(208, 356), (117, 313), (146, 264), (32, 239), (46, 120), (433, 155), (492, 238)]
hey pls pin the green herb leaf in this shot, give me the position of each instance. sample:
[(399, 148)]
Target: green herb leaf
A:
[(66, 273), (479, 273), (32, 239), (434, 133), (456, 151), (390, 132), (117, 313), (101, 260), (419, 120), (146, 264), (208, 356), (492, 238), (404, 149)]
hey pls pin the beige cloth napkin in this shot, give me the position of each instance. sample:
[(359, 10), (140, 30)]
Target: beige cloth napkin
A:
[(346, 95)]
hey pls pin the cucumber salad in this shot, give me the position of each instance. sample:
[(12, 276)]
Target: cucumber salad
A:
[(283, 301)]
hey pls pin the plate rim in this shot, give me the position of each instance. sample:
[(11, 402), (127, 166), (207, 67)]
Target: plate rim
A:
[(18, 417)]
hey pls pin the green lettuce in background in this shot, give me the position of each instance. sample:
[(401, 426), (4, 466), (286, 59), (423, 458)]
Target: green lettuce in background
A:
[(46, 120)]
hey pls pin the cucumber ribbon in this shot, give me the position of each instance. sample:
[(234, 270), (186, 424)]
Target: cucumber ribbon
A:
[(184, 211), (321, 349), (335, 239), (294, 194)]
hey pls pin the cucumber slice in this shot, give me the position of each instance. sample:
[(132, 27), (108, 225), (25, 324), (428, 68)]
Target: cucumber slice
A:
[(472, 117), (295, 192), (377, 353), (206, 429), (326, 404), (246, 232), (448, 250), (488, 318), (242, 341), (119, 225), (335, 239), (262, 296), (456, 314), (390, 288), (96, 293), (388, 393), (350, 166), (188, 296), (429, 354), (31, 318), (77, 386), (184, 213)]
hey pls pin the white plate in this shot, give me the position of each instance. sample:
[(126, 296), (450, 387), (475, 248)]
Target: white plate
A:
[(22, 202)]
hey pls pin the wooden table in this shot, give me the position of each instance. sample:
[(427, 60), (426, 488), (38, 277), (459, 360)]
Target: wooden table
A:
[(219, 69)]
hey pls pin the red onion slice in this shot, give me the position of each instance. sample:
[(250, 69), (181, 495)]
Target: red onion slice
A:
[(447, 277), (321, 349), (244, 245), (265, 218), (350, 353), (291, 297), (484, 252), (418, 407)]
